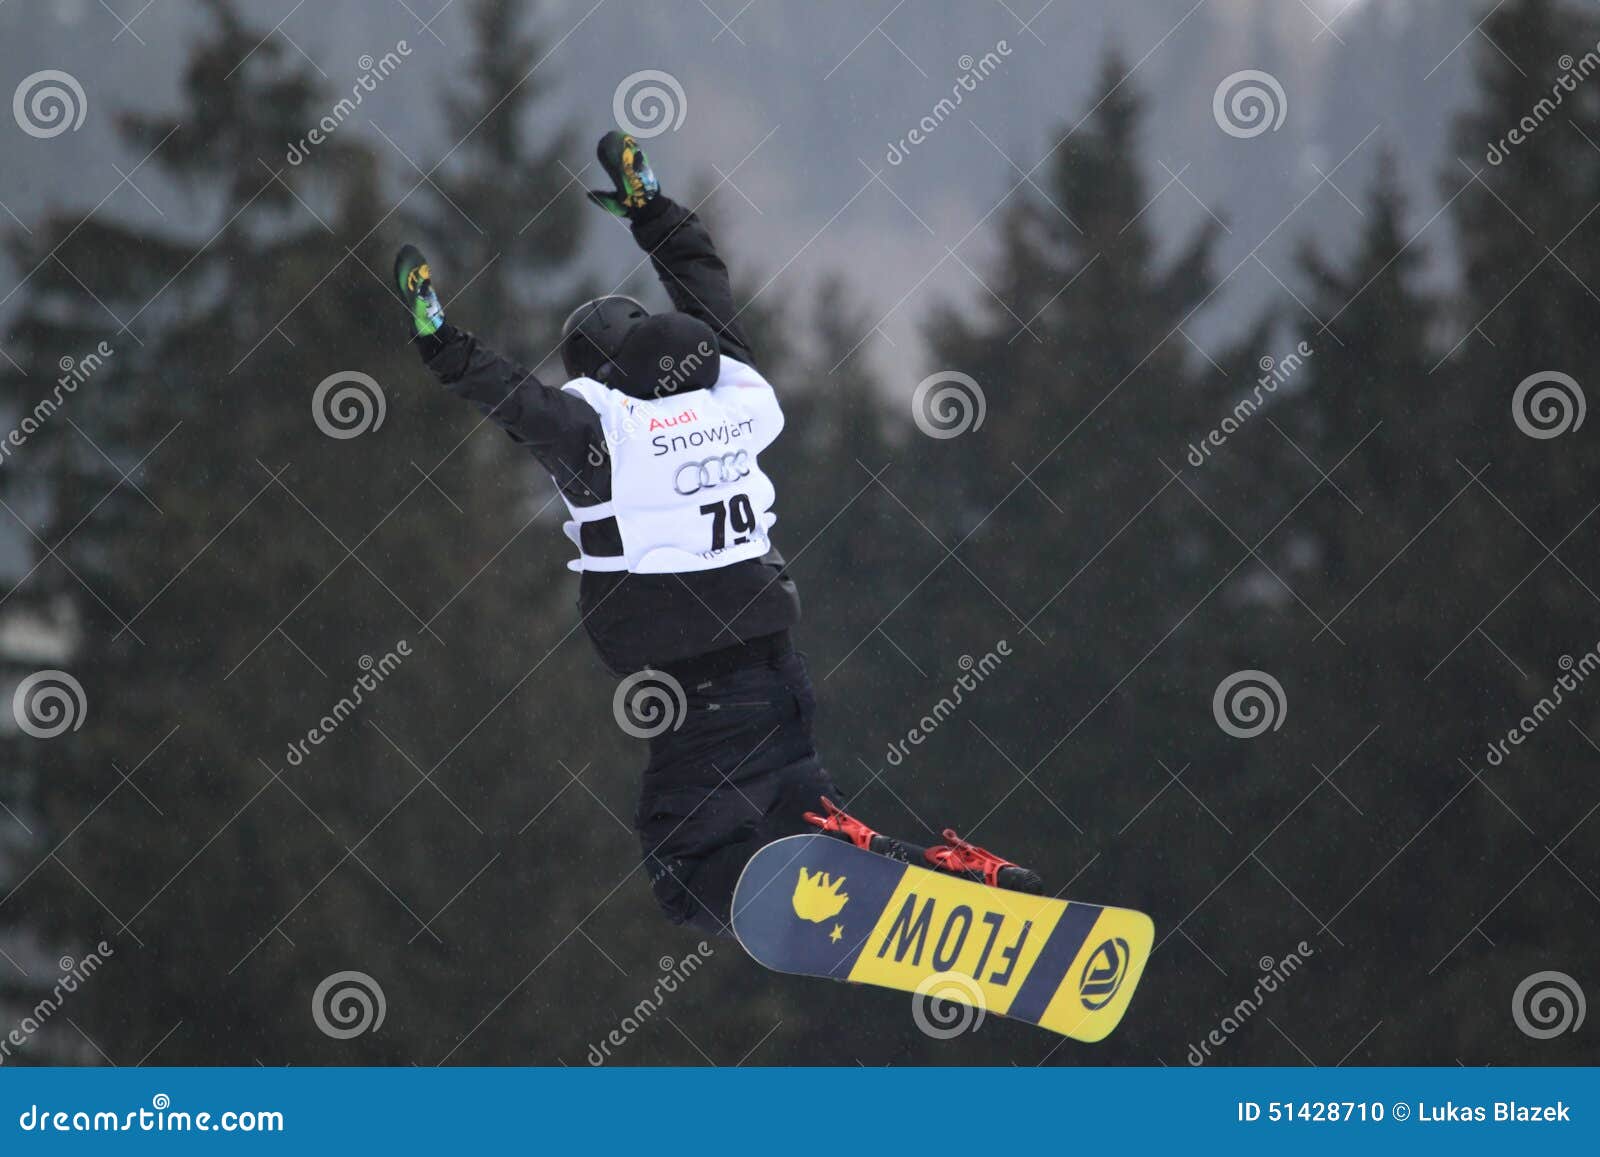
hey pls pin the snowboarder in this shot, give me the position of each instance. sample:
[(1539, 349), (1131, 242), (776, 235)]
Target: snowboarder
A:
[(654, 444)]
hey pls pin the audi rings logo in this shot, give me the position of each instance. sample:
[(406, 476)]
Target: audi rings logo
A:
[(710, 473), (1103, 974)]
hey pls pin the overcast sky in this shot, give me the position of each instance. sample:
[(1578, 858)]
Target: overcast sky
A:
[(798, 105)]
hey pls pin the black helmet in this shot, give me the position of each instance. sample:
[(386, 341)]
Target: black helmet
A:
[(592, 333)]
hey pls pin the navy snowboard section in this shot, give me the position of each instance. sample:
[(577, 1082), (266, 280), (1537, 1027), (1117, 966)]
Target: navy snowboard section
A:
[(779, 936)]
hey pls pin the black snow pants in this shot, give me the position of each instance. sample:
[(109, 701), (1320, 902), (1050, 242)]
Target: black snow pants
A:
[(735, 775)]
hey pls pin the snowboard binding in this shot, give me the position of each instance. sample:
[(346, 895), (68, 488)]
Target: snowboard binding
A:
[(956, 856), (970, 862)]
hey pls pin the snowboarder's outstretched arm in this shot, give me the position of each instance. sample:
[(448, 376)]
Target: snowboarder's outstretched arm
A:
[(693, 273), (677, 241), (559, 428)]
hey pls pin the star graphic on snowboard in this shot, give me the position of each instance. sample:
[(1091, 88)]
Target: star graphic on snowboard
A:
[(837, 933)]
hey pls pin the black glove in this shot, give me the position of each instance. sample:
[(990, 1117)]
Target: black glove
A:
[(629, 169), (415, 279)]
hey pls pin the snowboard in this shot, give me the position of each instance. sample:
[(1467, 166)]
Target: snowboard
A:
[(814, 905)]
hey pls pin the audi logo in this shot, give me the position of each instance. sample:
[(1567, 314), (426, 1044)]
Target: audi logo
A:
[(709, 473)]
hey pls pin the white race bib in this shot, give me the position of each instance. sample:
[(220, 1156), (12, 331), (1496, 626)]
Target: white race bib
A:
[(687, 491)]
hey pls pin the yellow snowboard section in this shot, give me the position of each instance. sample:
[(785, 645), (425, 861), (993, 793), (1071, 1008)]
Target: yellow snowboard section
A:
[(819, 906)]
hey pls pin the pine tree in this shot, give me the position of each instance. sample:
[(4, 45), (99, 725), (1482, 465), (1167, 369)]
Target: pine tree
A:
[(1365, 387), (1078, 327), (1530, 260), (1061, 496), (1524, 309), (231, 595), (850, 524), (502, 202)]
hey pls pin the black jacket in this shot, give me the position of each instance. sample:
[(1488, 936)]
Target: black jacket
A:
[(634, 620)]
